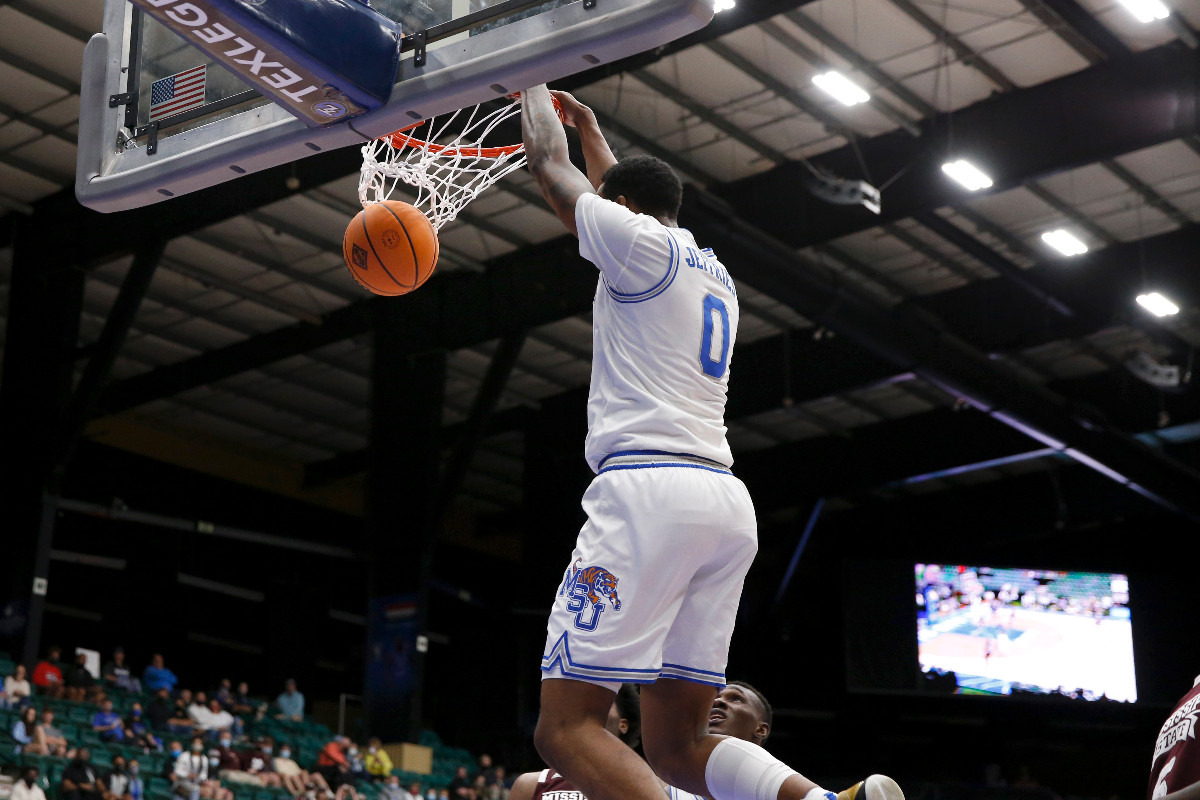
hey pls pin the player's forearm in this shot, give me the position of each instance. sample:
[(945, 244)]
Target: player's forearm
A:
[(596, 153), (543, 134)]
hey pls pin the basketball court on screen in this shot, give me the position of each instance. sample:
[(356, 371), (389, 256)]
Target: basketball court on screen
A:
[(1045, 649)]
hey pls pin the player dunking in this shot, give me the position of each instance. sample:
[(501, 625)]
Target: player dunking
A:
[(653, 587)]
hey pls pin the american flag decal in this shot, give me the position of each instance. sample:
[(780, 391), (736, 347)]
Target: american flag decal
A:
[(178, 93)]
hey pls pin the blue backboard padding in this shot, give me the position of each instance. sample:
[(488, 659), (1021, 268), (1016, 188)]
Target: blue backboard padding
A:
[(326, 61), (342, 38)]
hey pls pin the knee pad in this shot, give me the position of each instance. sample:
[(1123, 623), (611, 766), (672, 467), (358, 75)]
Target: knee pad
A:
[(739, 770)]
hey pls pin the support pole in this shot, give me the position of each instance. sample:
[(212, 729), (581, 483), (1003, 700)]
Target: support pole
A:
[(407, 392), (104, 354), (482, 408)]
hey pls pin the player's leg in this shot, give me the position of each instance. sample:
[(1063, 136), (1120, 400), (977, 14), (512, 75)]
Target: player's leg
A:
[(619, 597), (572, 739), (680, 749)]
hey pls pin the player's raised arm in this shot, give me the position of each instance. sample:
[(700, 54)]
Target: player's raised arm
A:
[(596, 153), (549, 161)]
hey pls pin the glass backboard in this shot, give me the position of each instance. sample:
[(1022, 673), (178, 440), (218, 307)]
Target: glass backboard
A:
[(159, 118)]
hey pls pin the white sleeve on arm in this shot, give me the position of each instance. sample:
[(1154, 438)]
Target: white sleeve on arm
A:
[(634, 252)]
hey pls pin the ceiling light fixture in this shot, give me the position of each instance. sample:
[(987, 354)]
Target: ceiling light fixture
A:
[(1157, 305), (967, 174), (1065, 242), (722, 5), (841, 88), (1147, 10)]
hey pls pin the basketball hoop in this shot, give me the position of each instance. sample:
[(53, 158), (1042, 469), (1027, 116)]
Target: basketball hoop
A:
[(448, 168)]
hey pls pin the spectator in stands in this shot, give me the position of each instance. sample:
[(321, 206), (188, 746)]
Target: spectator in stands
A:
[(158, 710), (56, 743), (332, 762), (461, 788), (28, 787), (486, 770), (47, 676), (296, 780), (257, 762), (16, 688), (242, 704), (391, 789), (27, 735), (378, 762), (358, 767), (116, 783), (499, 789), (192, 777), (174, 751), (179, 723), (117, 675), (290, 703), (414, 791), (108, 724), (224, 694), (213, 720), (81, 685), (137, 787), (138, 732), (228, 764), (197, 706), (479, 785), (79, 780), (156, 676)]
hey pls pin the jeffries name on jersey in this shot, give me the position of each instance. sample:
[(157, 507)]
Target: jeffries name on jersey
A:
[(664, 322)]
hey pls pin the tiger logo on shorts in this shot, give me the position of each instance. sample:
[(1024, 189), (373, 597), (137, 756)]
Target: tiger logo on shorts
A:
[(589, 585)]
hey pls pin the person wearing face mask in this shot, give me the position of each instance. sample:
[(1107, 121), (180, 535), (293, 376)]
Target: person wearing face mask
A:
[(391, 789), (79, 780), (191, 770), (28, 787), (296, 780), (174, 751), (137, 787), (378, 762), (193, 779), (137, 732), (257, 762), (228, 764), (358, 767), (116, 784)]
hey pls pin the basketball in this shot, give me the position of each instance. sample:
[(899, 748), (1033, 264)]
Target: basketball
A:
[(390, 248)]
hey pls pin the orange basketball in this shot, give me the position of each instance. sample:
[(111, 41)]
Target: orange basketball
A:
[(390, 248)]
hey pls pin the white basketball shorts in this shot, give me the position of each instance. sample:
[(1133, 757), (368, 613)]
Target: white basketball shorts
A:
[(653, 587)]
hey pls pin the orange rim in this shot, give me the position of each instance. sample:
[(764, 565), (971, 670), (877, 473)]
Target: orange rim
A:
[(399, 140)]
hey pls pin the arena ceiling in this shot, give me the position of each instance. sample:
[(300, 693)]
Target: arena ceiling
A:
[(937, 345)]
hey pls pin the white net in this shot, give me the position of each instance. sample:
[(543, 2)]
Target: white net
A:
[(443, 159)]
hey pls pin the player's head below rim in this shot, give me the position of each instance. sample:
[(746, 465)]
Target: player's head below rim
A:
[(645, 185), (739, 710)]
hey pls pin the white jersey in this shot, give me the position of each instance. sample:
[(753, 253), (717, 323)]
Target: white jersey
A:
[(664, 323)]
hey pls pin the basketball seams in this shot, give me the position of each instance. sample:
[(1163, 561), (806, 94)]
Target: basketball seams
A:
[(371, 242), (369, 223), (411, 249)]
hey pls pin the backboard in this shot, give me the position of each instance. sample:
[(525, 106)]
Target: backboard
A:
[(159, 118)]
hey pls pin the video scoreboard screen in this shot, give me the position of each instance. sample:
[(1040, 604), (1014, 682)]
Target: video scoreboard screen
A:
[(1002, 631)]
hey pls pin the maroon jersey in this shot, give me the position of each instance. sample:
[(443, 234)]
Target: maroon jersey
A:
[(1176, 763), (552, 786)]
